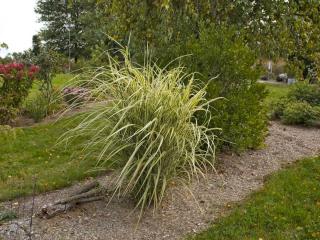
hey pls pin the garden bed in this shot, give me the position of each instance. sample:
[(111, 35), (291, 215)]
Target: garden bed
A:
[(237, 176)]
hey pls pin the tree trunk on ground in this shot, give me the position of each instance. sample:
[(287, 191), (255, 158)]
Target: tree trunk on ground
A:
[(88, 193)]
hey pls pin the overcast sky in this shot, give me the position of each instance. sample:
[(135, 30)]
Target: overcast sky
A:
[(18, 23)]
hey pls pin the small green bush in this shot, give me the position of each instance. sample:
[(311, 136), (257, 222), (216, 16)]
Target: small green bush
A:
[(36, 107), (148, 120), (278, 106), (309, 93), (43, 105), (15, 82), (300, 106), (227, 66), (7, 132), (7, 113), (299, 113)]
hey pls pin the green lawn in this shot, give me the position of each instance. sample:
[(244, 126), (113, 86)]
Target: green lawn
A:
[(58, 82), (61, 80), (34, 152), (288, 207), (275, 92)]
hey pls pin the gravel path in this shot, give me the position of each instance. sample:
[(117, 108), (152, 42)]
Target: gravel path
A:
[(236, 177)]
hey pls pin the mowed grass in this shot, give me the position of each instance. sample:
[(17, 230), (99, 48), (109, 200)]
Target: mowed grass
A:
[(58, 82), (276, 91), (35, 152), (288, 207)]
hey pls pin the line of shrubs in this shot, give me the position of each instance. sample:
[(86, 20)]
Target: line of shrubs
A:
[(300, 106)]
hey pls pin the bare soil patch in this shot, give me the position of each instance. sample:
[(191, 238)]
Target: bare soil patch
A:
[(237, 176)]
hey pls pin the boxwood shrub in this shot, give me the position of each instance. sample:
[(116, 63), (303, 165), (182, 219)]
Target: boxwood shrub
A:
[(300, 106), (227, 66)]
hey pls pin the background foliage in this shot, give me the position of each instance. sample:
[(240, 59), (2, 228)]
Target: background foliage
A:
[(300, 106), (224, 38)]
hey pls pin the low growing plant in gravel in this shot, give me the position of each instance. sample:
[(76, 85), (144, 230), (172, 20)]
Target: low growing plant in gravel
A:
[(148, 119), (7, 216)]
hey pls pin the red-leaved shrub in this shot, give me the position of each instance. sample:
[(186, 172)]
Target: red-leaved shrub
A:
[(15, 82)]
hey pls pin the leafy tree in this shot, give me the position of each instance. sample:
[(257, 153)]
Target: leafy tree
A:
[(64, 28), (36, 44), (273, 28), (303, 44)]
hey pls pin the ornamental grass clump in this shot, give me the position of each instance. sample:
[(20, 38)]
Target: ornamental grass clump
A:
[(146, 115)]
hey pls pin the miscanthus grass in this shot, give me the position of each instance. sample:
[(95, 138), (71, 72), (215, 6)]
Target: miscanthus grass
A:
[(146, 115)]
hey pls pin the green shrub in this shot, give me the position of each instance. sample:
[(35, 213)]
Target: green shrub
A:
[(242, 118), (316, 110), (300, 106), (7, 113), (219, 52), (43, 105), (309, 93), (149, 120), (278, 106), (227, 65), (15, 82), (36, 107), (299, 113)]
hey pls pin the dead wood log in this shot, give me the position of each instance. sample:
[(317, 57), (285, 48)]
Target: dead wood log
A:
[(86, 188), (75, 198), (88, 193), (50, 211)]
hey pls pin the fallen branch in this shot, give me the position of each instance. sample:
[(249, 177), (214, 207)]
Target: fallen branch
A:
[(74, 198), (88, 193)]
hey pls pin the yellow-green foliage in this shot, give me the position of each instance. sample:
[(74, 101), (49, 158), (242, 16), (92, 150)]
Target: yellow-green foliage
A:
[(147, 118), (7, 132)]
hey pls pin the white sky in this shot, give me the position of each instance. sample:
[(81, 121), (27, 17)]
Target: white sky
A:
[(18, 23)]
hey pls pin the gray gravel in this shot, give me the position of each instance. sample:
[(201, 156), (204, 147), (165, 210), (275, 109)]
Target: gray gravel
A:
[(236, 177)]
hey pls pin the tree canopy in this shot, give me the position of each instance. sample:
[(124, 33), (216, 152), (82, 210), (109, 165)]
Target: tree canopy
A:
[(272, 28), (64, 28)]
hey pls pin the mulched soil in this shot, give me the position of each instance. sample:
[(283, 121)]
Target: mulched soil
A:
[(182, 213)]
